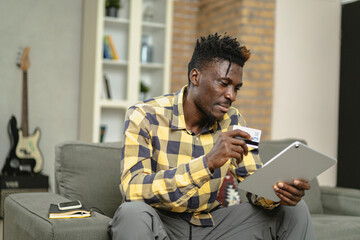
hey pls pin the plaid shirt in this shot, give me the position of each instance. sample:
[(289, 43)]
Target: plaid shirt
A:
[(163, 164)]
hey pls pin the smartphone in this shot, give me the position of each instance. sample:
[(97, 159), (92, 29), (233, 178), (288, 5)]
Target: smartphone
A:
[(69, 205)]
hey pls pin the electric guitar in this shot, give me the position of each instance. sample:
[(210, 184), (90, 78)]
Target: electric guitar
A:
[(24, 156)]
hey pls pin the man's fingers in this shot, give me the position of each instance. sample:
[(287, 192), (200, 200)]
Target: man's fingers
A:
[(239, 133), (292, 189), (240, 146), (293, 197), (239, 159), (230, 144), (285, 200), (289, 195), (302, 184)]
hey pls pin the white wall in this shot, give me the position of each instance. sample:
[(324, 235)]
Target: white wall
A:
[(306, 82), (52, 29)]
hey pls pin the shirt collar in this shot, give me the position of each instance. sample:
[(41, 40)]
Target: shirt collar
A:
[(178, 118)]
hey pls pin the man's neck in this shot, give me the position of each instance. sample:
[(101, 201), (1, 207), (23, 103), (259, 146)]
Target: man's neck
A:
[(194, 119)]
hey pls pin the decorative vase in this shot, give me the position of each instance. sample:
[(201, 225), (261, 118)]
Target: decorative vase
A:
[(146, 49), (111, 11)]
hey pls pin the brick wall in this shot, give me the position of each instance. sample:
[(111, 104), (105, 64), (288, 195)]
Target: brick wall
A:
[(252, 22), (184, 37)]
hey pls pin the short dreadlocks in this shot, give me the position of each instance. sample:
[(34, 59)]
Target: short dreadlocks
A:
[(217, 47)]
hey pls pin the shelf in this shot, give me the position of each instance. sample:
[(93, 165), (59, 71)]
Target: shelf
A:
[(112, 62), (153, 25), (125, 74), (113, 20), (114, 104), (154, 66)]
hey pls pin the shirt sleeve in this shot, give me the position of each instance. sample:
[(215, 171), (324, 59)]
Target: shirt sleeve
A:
[(140, 178), (248, 166)]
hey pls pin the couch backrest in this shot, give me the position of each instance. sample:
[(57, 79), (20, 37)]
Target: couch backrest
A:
[(90, 173), (268, 149)]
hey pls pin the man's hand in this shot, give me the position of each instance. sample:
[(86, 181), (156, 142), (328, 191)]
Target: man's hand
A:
[(226, 147), (291, 194)]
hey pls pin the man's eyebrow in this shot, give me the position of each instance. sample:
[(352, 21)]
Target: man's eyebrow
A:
[(226, 78)]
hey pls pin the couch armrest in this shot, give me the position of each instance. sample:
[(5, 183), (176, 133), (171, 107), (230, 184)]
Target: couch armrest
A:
[(89, 172), (26, 217), (340, 201)]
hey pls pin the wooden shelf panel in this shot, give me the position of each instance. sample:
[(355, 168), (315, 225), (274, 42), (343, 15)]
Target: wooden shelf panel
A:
[(153, 25), (114, 104), (112, 62), (155, 66), (113, 20)]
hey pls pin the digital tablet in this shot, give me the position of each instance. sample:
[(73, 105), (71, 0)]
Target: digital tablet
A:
[(297, 161)]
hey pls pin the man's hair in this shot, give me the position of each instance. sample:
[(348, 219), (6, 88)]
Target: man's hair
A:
[(216, 48)]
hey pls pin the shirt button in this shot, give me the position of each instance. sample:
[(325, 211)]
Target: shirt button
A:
[(197, 139)]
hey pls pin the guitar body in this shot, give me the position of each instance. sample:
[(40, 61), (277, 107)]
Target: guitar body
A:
[(14, 138), (28, 148), (14, 165)]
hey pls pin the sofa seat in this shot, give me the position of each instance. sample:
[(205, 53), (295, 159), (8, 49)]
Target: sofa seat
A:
[(328, 226)]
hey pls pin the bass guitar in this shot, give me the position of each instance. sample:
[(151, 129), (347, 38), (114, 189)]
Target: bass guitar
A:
[(24, 156)]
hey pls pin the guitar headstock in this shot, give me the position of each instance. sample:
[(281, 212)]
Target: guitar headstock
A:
[(24, 61)]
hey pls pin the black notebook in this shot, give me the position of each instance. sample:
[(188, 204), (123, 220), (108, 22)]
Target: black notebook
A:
[(82, 212)]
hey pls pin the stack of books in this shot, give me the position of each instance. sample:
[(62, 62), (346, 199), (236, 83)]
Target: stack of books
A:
[(81, 212)]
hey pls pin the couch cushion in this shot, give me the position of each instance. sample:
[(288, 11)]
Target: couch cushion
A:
[(336, 227), (27, 217), (90, 173), (270, 148), (313, 198)]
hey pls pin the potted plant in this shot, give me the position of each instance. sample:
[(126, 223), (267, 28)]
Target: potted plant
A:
[(112, 7), (144, 89)]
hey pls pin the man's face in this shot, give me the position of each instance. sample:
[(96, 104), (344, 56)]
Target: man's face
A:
[(217, 89)]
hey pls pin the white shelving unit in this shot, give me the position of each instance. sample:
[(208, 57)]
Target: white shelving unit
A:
[(126, 73)]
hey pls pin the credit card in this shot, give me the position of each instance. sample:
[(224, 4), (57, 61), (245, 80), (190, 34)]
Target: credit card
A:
[(254, 133)]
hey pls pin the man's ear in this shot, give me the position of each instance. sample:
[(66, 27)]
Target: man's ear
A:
[(194, 76)]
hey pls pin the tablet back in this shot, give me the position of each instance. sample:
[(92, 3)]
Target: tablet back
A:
[(297, 161)]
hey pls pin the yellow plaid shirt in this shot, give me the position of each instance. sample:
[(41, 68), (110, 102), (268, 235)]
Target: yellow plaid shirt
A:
[(163, 164)]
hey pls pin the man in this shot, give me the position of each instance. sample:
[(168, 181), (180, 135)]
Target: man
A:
[(177, 151)]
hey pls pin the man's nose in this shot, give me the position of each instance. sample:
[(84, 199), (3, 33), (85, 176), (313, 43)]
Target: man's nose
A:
[(230, 94)]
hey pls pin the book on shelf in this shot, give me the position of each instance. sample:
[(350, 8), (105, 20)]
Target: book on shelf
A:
[(107, 87), (112, 47), (55, 213), (107, 49), (102, 133)]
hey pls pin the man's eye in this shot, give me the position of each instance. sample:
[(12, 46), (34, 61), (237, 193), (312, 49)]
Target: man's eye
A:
[(237, 89), (224, 83)]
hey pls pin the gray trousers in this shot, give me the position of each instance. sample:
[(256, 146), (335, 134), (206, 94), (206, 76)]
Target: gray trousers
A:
[(137, 220)]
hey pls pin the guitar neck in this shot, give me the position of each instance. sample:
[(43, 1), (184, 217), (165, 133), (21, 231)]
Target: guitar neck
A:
[(24, 110)]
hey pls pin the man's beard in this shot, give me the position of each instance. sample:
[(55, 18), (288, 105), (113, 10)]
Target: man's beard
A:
[(211, 119)]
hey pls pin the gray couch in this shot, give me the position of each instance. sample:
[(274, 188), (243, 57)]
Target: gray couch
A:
[(90, 173)]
